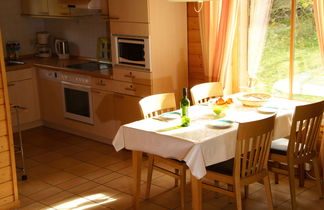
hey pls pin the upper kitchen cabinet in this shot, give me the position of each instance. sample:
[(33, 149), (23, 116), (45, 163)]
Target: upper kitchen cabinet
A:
[(34, 7), (129, 11), (64, 8), (58, 8), (45, 8)]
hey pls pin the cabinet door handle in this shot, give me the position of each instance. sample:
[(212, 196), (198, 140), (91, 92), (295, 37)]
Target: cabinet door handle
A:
[(129, 76), (97, 91), (113, 18), (11, 84), (131, 89)]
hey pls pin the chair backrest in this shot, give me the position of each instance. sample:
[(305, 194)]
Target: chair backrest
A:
[(157, 104), (202, 92), (253, 147), (304, 131)]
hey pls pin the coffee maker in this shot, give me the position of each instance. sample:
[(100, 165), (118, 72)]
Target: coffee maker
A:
[(43, 49)]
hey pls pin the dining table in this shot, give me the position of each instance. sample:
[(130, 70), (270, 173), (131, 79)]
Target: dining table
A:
[(209, 139)]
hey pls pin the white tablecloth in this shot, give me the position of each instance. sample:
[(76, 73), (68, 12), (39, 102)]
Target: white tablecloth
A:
[(198, 145)]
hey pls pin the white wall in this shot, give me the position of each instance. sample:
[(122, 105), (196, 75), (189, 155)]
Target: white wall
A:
[(14, 27), (82, 33)]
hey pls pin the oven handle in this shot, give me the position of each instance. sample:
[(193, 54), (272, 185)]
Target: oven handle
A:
[(73, 85), (127, 41)]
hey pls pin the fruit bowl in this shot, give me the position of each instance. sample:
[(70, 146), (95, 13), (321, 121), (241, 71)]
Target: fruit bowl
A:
[(219, 109), (254, 99)]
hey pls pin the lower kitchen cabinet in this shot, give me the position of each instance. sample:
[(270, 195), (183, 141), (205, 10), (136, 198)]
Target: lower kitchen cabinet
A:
[(127, 109), (51, 100), (103, 112), (22, 87)]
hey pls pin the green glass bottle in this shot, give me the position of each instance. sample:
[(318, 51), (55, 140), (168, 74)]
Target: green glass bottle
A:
[(184, 105)]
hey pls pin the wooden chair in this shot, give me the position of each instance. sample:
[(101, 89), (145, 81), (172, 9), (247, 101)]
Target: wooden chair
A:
[(153, 106), (300, 148), (203, 92), (249, 164)]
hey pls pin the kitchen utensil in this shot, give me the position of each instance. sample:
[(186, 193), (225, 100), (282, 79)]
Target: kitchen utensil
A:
[(62, 48)]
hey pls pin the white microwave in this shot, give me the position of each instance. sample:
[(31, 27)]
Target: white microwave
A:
[(131, 51)]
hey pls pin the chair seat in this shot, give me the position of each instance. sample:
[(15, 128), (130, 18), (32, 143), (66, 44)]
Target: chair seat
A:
[(279, 146), (225, 167)]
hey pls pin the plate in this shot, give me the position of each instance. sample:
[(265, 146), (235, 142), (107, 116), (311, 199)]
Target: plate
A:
[(170, 116), (219, 124), (267, 110)]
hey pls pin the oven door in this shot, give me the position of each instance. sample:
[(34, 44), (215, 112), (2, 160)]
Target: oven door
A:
[(77, 102)]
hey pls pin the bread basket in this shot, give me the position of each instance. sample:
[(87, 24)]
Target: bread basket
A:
[(254, 99)]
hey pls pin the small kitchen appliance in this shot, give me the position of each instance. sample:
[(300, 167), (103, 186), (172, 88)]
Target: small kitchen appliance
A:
[(12, 48), (43, 50), (62, 48), (131, 51)]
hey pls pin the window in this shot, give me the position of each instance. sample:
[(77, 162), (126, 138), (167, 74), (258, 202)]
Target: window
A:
[(273, 73)]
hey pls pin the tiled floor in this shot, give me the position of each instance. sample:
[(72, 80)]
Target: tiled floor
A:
[(71, 172)]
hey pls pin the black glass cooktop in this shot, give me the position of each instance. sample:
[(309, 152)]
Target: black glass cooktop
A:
[(90, 66)]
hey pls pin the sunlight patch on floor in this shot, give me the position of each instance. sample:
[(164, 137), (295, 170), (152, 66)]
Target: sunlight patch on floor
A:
[(83, 203)]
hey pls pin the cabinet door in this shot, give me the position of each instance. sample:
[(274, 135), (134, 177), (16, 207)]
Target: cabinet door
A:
[(51, 101), (58, 8), (127, 109), (23, 94), (129, 10), (103, 112), (34, 7)]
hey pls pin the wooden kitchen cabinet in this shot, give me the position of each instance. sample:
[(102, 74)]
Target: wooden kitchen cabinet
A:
[(58, 8), (127, 109), (54, 8), (34, 7), (22, 88), (51, 99), (103, 112), (164, 24), (128, 11)]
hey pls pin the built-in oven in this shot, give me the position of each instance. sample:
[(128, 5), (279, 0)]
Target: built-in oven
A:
[(131, 51), (77, 98)]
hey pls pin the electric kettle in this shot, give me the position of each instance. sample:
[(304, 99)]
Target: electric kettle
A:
[(62, 48)]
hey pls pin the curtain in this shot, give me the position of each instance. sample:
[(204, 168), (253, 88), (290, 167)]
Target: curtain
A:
[(217, 27), (319, 21), (258, 24)]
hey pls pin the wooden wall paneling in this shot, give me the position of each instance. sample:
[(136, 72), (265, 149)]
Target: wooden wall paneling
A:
[(9, 189), (195, 62), (4, 146)]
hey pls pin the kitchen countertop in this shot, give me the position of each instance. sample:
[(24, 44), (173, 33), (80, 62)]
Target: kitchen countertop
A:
[(59, 65)]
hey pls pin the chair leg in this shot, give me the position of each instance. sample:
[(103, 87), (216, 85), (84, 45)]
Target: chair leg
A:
[(182, 187), (149, 176), (277, 165), (176, 181), (230, 188), (301, 175), (276, 178), (238, 196), (246, 191), (291, 177), (318, 177), (266, 182)]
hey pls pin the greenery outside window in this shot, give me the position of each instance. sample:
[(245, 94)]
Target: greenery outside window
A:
[(305, 80)]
